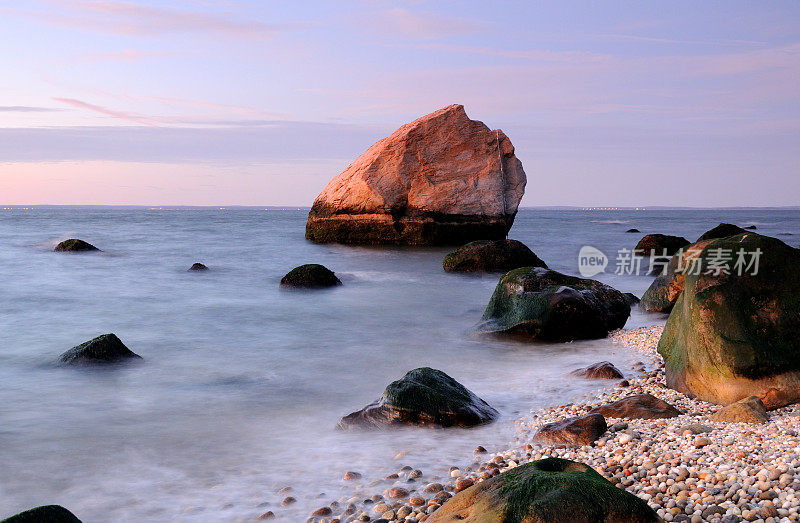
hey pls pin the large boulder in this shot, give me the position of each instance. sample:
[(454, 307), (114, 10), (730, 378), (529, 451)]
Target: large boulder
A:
[(735, 335), (547, 305), (310, 276), (491, 256), (581, 430), (442, 179), (75, 245), (637, 406), (104, 349), (544, 491), (723, 230), (659, 244), (424, 396), (44, 514)]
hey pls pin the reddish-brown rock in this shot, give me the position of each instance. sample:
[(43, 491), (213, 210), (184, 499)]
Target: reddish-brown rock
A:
[(637, 406), (441, 179), (582, 430), (605, 370)]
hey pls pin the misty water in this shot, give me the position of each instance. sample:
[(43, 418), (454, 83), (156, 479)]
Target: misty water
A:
[(242, 383)]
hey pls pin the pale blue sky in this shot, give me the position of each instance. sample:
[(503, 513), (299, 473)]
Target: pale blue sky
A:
[(262, 102)]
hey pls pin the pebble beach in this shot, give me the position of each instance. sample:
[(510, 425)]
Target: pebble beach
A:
[(688, 468)]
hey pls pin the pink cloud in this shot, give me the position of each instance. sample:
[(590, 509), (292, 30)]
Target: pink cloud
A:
[(108, 112)]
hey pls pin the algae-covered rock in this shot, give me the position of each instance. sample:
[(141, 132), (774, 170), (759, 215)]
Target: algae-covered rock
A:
[(491, 256), (423, 396), (44, 514), (723, 230), (75, 245), (103, 349), (311, 275), (547, 305), (734, 335), (545, 491)]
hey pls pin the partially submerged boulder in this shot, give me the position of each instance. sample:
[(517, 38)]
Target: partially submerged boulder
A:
[(665, 289), (748, 410), (75, 245), (426, 397), (311, 275), (491, 256), (660, 245), (547, 305), (633, 230), (637, 406), (442, 179), (104, 349), (723, 230), (581, 430), (731, 336), (545, 491), (604, 370), (44, 514), (198, 267)]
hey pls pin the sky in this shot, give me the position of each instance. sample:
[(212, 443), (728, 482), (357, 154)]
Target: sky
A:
[(224, 102)]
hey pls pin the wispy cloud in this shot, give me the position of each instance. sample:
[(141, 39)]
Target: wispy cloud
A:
[(418, 24), (26, 109), (118, 17), (127, 55), (107, 112), (573, 57), (653, 39)]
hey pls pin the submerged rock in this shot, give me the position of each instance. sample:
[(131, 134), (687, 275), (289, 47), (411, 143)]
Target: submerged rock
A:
[(605, 370), (723, 230), (748, 410), (637, 406), (491, 256), (442, 179), (581, 430), (731, 336), (547, 305), (75, 245), (198, 267), (426, 397), (311, 275), (658, 244), (633, 230), (545, 491), (44, 514), (103, 349)]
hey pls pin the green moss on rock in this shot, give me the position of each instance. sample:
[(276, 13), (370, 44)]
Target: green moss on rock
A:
[(544, 491), (547, 305), (730, 336), (424, 396)]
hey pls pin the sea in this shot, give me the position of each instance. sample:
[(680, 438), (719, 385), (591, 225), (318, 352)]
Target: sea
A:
[(242, 382)]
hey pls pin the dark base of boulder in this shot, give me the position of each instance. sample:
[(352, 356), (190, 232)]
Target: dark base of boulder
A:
[(44, 514), (381, 229)]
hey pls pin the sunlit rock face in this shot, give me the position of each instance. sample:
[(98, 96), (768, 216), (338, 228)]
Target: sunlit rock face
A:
[(442, 179)]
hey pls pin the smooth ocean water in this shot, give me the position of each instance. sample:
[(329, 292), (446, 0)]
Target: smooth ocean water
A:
[(243, 383)]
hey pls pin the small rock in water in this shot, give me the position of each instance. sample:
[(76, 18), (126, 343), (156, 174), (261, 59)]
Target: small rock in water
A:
[(198, 267), (288, 500), (75, 245), (398, 493), (311, 275), (323, 511), (267, 515), (103, 349), (480, 450), (350, 476)]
